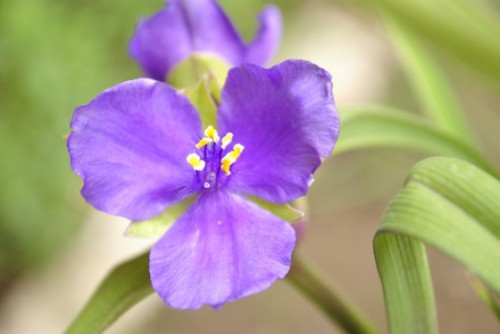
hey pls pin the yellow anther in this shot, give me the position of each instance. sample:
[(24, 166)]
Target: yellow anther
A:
[(231, 158), (226, 140), (211, 133), (195, 161), (237, 149), (203, 142), (226, 164)]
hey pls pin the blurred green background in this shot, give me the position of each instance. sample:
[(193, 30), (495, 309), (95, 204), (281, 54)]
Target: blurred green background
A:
[(56, 55)]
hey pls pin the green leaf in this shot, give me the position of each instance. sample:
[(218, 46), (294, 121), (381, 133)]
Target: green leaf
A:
[(456, 33), (328, 299), (477, 13), (409, 295), (125, 286), (432, 89), (193, 69), (377, 126), (452, 206), (487, 296)]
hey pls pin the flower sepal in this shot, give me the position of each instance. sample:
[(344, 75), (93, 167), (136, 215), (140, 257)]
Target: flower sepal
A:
[(195, 68), (158, 225), (291, 212), (205, 97)]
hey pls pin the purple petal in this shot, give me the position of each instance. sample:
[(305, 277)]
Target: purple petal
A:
[(184, 27), (130, 144), (287, 121), (267, 39), (222, 249)]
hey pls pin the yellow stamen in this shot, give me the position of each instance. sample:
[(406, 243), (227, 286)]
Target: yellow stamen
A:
[(231, 158), (226, 140), (226, 164), (195, 161), (211, 133), (237, 149), (203, 142)]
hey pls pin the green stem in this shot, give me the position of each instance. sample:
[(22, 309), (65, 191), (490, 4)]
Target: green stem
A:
[(327, 299)]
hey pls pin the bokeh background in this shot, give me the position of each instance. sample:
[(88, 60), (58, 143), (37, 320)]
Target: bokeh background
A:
[(55, 249)]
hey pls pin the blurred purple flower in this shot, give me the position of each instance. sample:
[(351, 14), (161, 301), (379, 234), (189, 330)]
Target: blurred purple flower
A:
[(188, 26), (139, 147)]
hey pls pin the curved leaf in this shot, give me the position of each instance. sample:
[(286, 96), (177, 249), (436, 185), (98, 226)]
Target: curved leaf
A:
[(377, 126), (458, 35), (409, 295), (448, 204), (432, 89), (487, 296), (328, 299), (125, 286)]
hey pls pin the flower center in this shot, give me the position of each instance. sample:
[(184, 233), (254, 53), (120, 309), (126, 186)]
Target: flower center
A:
[(215, 156)]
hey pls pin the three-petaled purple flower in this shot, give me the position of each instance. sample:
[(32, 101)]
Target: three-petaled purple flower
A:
[(140, 148), (200, 26)]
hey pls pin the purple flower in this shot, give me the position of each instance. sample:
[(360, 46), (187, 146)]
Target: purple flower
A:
[(189, 26), (139, 148)]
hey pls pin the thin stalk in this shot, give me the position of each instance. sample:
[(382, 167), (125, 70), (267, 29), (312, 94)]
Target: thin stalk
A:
[(328, 300)]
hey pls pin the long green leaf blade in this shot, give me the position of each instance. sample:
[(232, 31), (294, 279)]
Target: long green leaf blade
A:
[(125, 286), (452, 206), (485, 295), (409, 296), (455, 34), (377, 126), (432, 89), (465, 186), (328, 299)]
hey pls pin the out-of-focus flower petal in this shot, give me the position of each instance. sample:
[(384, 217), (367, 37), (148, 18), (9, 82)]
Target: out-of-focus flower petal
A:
[(224, 248), (183, 28), (285, 117), (266, 42), (130, 144)]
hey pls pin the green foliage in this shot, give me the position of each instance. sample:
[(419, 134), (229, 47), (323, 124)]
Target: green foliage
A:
[(458, 29), (452, 206), (488, 297), (432, 90), (125, 286), (55, 56), (446, 203), (327, 299), (68, 56), (408, 291), (379, 126)]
